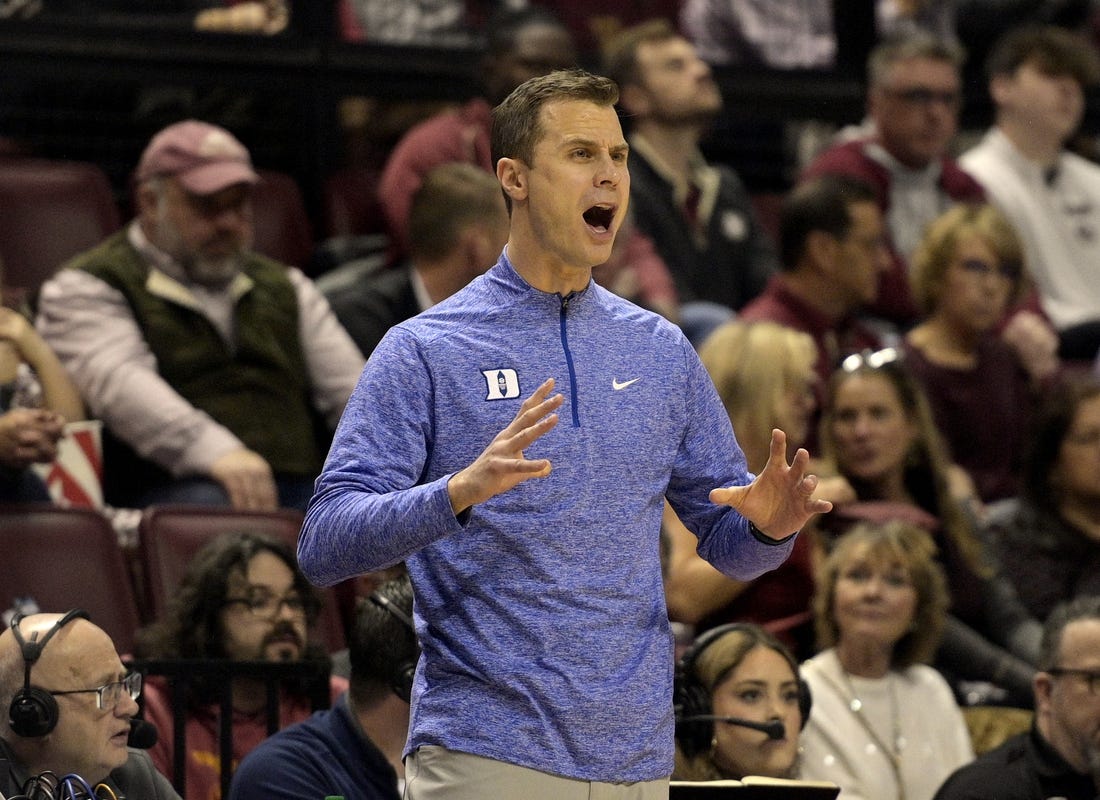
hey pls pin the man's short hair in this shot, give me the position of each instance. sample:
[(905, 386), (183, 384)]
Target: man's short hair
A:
[(1080, 608), (382, 647), (819, 204), (907, 46), (620, 53), (517, 120), (1050, 49), (451, 199)]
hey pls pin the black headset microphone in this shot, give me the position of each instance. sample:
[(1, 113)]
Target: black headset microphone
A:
[(143, 734), (774, 728)]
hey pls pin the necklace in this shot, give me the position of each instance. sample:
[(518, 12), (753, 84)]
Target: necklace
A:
[(897, 744)]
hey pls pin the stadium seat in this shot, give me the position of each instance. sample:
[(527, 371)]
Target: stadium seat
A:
[(50, 210), (62, 558)]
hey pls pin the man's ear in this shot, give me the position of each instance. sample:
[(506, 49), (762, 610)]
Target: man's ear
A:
[(147, 199), (821, 249), (512, 174), (1042, 686)]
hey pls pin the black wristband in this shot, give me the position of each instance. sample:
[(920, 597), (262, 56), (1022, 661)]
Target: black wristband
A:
[(763, 538)]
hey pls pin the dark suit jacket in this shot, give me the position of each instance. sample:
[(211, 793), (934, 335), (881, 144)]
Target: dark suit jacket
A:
[(372, 306)]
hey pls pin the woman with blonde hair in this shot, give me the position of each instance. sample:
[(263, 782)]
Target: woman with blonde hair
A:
[(966, 274), (765, 377), (885, 725), (738, 670)]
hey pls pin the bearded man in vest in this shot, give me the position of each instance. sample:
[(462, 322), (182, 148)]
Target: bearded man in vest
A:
[(218, 373)]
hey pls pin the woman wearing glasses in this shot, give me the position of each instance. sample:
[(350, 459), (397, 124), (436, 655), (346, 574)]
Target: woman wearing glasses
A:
[(877, 433), (966, 275)]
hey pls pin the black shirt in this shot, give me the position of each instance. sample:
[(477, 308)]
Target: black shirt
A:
[(1025, 767)]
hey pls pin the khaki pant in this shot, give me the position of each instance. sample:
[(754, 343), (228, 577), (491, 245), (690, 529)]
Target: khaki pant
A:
[(435, 773)]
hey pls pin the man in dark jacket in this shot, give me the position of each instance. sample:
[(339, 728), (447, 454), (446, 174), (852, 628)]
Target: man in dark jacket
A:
[(1060, 755)]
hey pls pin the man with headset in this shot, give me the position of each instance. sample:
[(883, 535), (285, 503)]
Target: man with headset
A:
[(72, 717), (354, 749)]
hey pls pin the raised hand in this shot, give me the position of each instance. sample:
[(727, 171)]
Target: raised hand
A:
[(502, 464), (779, 501)]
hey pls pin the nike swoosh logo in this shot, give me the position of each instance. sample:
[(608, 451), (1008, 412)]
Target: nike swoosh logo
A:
[(616, 385)]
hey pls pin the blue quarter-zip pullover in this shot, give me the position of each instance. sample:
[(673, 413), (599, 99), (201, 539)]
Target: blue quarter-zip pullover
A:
[(540, 612)]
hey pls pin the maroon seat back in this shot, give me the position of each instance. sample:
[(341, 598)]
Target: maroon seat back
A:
[(351, 203), (282, 228), (50, 211), (66, 558)]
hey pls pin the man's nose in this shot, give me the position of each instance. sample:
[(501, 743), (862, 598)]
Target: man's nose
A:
[(610, 171)]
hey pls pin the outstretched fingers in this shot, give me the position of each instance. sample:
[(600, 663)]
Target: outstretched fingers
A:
[(502, 465), (534, 418), (779, 500)]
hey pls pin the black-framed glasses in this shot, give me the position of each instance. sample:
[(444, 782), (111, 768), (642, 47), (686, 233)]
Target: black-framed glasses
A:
[(871, 359), (110, 694), (1091, 676), (924, 97), (266, 605)]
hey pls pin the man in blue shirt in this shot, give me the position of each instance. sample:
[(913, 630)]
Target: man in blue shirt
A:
[(529, 518)]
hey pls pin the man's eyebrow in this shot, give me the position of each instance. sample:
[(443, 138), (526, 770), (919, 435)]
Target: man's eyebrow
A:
[(584, 141)]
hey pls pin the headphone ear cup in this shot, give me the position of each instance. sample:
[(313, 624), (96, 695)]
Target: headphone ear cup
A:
[(805, 701), (33, 712), (694, 737), (403, 683)]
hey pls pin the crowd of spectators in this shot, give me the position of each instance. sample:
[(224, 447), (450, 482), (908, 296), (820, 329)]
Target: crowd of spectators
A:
[(924, 320)]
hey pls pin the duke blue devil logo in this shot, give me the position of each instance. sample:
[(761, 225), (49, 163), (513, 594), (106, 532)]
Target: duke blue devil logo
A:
[(501, 384)]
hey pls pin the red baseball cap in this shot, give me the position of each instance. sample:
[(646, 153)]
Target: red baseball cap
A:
[(204, 158)]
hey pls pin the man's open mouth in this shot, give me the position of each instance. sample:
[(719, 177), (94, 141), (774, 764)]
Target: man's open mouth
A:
[(599, 217)]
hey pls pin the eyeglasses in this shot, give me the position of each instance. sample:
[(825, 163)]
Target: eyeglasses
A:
[(1009, 270), (871, 359), (925, 97), (1091, 676), (265, 605), (110, 694)]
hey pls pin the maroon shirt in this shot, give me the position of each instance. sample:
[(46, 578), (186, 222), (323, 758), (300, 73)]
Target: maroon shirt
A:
[(983, 413), (895, 300), (835, 339)]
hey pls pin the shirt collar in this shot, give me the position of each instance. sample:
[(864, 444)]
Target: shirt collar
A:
[(168, 280), (1033, 172), (703, 175), (930, 174)]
